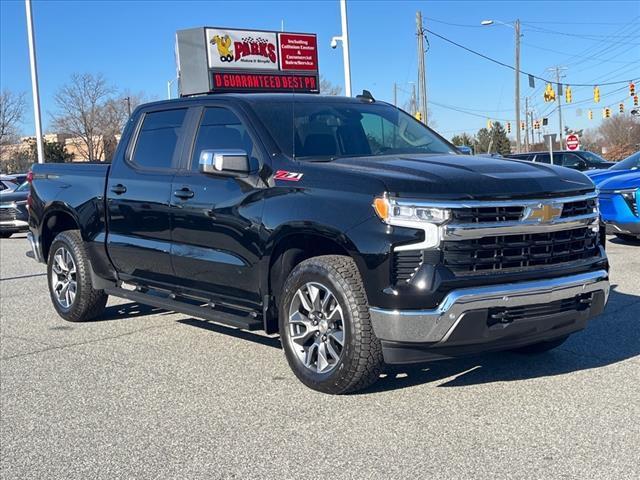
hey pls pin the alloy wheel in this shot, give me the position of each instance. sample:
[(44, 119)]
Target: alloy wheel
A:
[(64, 282), (315, 327)]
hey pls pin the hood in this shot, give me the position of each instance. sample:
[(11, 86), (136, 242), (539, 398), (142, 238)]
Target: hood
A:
[(599, 176), (466, 177), (621, 182), (10, 197)]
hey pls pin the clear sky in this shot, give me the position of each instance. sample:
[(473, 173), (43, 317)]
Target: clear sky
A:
[(131, 43)]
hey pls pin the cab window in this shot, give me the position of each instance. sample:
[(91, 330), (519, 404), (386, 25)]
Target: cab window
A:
[(221, 129), (543, 158), (158, 137)]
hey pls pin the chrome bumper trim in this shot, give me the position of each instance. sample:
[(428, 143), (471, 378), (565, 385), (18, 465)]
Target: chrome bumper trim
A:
[(429, 326), (480, 230), (14, 223)]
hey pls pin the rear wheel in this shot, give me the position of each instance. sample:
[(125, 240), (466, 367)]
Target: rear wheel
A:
[(68, 272), (542, 346), (326, 328)]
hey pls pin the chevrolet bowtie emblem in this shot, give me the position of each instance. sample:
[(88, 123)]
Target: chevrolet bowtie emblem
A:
[(543, 212)]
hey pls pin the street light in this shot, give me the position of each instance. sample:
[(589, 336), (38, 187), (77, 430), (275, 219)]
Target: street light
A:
[(516, 27), (169, 83), (344, 38)]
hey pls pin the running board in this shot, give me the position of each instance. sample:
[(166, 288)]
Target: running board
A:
[(238, 321)]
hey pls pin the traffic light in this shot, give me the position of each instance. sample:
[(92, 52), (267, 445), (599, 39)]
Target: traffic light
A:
[(606, 112), (549, 94), (596, 94), (508, 127), (536, 125), (567, 95), (418, 116), (522, 126), (621, 107), (635, 100), (489, 124), (632, 89), (545, 121), (590, 115)]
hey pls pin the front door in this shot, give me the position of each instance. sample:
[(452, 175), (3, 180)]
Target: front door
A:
[(217, 219), (138, 198)]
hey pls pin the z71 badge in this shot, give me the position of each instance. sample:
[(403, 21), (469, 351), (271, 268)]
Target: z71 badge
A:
[(288, 176)]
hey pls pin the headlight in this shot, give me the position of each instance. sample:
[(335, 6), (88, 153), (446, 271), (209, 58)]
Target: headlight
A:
[(405, 214), (630, 196), (394, 212)]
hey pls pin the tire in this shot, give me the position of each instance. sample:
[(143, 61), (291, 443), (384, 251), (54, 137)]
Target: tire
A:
[(345, 317), (82, 302), (541, 347)]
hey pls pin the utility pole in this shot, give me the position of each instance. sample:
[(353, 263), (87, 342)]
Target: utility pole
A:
[(531, 117), (395, 94), (422, 81), (559, 69), (526, 130), (414, 103), (129, 105), (516, 28), (34, 81)]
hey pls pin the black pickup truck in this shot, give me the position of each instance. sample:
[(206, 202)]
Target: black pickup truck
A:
[(343, 224)]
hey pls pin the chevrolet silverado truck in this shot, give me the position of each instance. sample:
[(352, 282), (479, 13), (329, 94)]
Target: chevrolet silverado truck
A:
[(351, 229)]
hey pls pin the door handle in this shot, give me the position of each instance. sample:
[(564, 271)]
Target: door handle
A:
[(183, 193), (118, 189)]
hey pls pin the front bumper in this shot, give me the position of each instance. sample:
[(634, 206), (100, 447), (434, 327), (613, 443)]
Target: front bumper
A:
[(14, 226), (629, 228), (472, 320)]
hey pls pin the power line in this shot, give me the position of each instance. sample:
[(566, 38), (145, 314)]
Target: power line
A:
[(512, 68)]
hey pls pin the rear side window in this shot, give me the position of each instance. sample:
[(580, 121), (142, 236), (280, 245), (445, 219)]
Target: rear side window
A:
[(221, 129), (158, 137), (543, 158)]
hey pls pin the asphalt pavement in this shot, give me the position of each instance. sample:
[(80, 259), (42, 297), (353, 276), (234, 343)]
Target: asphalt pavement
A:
[(144, 393)]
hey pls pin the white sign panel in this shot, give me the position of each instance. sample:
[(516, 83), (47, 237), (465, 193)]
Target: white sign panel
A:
[(242, 49)]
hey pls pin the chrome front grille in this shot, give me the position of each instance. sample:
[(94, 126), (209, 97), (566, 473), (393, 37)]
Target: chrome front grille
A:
[(8, 214), (486, 214)]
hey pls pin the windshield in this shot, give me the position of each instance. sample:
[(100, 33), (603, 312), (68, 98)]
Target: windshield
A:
[(328, 130), (23, 187), (632, 162), (592, 157)]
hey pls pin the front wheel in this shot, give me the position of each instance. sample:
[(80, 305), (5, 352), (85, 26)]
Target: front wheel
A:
[(325, 326), (70, 287)]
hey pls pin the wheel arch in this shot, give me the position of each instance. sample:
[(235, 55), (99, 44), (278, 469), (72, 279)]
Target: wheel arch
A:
[(292, 247), (57, 219)]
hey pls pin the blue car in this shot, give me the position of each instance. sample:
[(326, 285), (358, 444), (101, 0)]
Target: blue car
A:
[(629, 164), (620, 204)]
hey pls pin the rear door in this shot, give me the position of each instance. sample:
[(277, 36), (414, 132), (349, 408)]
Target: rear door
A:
[(217, 219), (138, 197)]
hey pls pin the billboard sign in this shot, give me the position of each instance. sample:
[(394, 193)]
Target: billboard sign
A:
[(213, 59), (242, 49)]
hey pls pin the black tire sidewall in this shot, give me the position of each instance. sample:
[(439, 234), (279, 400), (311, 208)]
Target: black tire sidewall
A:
[(330, 381)]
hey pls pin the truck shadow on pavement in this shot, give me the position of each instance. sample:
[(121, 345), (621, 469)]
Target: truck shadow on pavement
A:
[(609, 338)]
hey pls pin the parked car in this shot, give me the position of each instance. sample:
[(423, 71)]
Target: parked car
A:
[(465, 149), (578, 160), (17, 178), (7, 184), (356, 232), (620, 204), (629, 164), (14, 215)]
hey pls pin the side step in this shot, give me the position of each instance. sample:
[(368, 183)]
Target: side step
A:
[(238, 321)]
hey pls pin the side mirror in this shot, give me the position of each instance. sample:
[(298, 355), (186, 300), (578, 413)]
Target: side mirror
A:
[(230, 163)]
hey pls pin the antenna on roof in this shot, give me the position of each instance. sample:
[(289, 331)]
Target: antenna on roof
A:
[(366, 96)]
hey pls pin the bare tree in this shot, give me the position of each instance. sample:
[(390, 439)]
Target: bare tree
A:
[(84, 113), (620, 131), (328, 88), (12, 107)]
